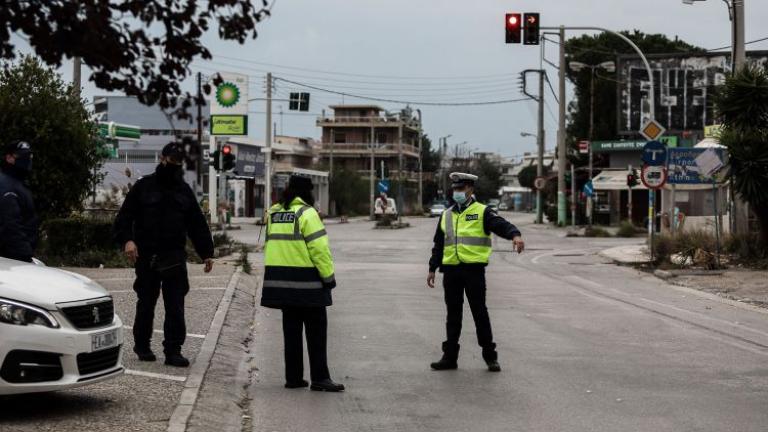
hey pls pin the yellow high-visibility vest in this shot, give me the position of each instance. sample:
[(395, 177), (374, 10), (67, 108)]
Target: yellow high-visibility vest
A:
[(465, 238)]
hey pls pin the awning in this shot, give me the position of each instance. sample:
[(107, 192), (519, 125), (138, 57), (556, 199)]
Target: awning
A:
[(614, 180)]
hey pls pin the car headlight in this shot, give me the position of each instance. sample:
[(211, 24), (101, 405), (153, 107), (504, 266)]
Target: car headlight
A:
[(16, 313)]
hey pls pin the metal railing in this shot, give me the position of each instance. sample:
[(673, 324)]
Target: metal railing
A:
[(366, 148), (394, 120)]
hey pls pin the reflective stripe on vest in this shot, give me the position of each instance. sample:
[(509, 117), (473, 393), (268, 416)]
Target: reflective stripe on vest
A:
[(465, 237)]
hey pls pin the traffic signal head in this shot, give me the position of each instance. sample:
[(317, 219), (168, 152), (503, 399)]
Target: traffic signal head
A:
[(512, 26), (632, 179), (228, 161), (226, 149), (531, 29)]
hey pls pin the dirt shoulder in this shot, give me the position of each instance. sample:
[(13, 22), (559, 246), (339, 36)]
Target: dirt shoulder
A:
[(741, 285)]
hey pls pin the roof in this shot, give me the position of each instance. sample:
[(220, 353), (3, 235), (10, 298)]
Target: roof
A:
[(373, 107)]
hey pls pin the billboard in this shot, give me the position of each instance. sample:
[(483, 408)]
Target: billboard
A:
[(683, 88), (682, 166), (250, 161)]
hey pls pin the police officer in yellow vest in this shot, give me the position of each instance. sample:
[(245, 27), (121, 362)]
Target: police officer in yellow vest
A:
[(461, 252), (298, 278)]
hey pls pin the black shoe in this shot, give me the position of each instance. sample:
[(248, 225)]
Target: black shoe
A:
[(145, 354), (176, 360), (296, 384), (493, 366), (327, 386), (444, 364)]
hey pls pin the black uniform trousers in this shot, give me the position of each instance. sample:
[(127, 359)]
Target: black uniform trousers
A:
[(315, 321), (174, 285), (458, 280)]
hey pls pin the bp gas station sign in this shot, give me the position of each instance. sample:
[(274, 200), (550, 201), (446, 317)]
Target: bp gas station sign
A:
[(229, 105)]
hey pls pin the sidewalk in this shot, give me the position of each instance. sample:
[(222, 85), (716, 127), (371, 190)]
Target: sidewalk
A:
[(627, 254), (746, 286)]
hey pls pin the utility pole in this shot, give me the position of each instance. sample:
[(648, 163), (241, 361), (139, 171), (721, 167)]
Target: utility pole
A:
[(573, 195), (561, 150), (540, 150), (421, 142), (200, 129), (268, 149), (213, 201), (372, 172), (77, 75), (590, 206), (400, 204), (739, 48)]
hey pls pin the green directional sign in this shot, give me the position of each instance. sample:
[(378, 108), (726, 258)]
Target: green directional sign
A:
[(120, 132), (629, 145)]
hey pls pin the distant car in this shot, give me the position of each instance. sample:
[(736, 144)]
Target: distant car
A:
[(58, 330), (503, 207), (436, 210), (493, 206)]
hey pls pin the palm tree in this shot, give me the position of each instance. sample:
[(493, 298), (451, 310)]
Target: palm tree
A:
[(742, 104)]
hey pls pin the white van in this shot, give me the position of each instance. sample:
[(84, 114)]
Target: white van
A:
[(385, 208)]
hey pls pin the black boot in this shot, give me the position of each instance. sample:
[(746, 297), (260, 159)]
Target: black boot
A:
[(296, 384), (491, 358), (144, 354), (176, 360), (449, 360), (327, 385)]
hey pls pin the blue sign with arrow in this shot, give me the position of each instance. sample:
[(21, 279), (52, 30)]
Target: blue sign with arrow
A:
[(655, 153), (383, 186), (589, 189)]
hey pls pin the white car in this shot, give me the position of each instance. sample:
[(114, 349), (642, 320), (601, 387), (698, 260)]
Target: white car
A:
[(436, 210), (380, 208), (58, 330)]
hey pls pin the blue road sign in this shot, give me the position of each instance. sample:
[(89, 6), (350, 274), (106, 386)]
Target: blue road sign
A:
[(682, 168), (383, 186), (654, 153), (589, 190)]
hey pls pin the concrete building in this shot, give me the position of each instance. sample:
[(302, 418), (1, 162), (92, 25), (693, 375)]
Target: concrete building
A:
[(346, 143), (135, 158), (516, 196)]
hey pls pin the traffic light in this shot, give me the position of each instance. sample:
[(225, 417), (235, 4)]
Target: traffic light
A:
[(531, 29), (512, 25), (228, 164), (632, 178), (299, 102)]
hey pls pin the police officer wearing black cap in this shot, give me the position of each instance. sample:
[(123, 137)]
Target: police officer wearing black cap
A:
[(158, 214), (461, 251), (18, 222)]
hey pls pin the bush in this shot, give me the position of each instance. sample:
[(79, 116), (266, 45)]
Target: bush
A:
[(596, 232), (626, 229)]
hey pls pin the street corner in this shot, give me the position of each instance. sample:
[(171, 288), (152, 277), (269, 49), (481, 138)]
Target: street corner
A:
[(627, 254)]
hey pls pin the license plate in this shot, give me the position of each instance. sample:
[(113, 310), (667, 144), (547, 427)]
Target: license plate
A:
[(104, 340)]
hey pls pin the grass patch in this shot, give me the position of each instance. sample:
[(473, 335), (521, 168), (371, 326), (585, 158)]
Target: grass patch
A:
[(595, 231), (627, 229)]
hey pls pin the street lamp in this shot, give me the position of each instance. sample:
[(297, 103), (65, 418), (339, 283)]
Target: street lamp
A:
[(527, 134), (443, 143), (610, 67), (736, 15)]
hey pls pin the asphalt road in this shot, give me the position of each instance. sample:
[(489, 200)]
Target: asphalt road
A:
[(584, 346)]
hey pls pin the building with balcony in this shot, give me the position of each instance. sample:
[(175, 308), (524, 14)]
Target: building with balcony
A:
[(347, 135)]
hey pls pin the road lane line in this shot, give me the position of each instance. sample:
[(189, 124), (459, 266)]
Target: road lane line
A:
[(183, 410), (192, 335), (167, 377), (123, 279), (579, 279)]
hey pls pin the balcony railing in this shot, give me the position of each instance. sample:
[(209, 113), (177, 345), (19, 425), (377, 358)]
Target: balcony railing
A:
[(365, 148), (392, 121)]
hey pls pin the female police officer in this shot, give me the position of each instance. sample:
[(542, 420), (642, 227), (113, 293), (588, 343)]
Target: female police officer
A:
[(298, 278)]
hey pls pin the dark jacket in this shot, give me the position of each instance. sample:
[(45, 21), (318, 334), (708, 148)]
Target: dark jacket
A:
[(492, 223), (158, 214), (18, 222)]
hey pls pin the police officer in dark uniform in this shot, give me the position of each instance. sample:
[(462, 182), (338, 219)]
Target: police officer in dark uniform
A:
[(462, 247), (158, 214), (18, 222)]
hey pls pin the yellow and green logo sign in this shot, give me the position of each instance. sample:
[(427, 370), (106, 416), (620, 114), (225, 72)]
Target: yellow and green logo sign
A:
[(227, 94), (229, 125)]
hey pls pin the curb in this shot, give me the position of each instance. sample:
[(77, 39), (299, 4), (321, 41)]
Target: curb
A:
[(183, 410)]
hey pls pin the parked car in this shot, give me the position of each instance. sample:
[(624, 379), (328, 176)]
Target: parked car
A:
[(58, 330), (436, 210), (381, 208), (503, 207), (494, 204)]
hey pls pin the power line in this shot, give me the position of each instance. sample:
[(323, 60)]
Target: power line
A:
[(403, 102), (745, 43)]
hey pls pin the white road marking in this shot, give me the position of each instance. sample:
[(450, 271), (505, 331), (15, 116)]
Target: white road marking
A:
[(192, 335), (123, 279), (167, 377), (194, 289), (579, 279)]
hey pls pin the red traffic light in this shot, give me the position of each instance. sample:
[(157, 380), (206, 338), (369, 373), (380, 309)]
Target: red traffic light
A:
[(512, 28), (227, 149), (513, 20)]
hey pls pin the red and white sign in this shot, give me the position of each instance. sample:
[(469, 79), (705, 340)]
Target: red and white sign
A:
[(540, 183), (583, 147), (654, 177)]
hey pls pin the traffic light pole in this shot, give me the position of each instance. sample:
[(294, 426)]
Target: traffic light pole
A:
[(213, 203), (561, 149), (268, 150), (540, 150), (372, 173)]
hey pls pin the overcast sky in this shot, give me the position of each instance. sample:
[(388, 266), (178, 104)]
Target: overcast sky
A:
[(440, 50)]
